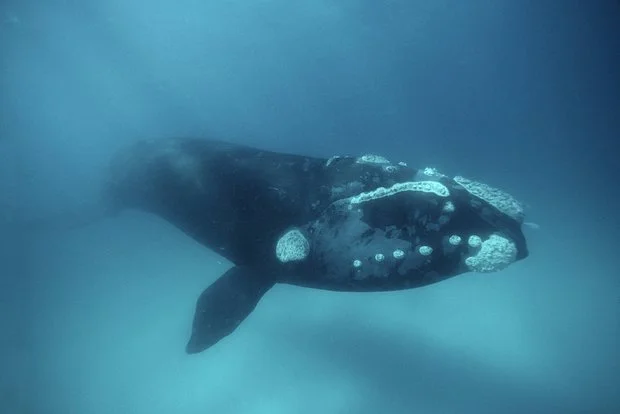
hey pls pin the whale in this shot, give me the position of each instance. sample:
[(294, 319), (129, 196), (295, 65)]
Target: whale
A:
[(350, 223)]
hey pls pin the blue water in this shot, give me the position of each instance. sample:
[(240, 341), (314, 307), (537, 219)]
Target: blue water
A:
[(523, 95)]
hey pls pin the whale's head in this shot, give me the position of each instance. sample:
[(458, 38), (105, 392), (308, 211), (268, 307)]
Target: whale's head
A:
[(408, 234)]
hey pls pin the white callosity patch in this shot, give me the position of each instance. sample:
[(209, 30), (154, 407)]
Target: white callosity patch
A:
[(425, 250), (432, 172), (454, 240), (495, 254), (451, 243), (357, 263), (398, 254), (292, 246), (499, 199), (448, 207), (419, 186), (474, 241), (372, 159), (379, 257)]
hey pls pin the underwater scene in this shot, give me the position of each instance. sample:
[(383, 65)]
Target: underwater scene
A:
[(312, 206)]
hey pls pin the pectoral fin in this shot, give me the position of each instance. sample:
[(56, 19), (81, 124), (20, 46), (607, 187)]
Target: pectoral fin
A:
[(224, 305)]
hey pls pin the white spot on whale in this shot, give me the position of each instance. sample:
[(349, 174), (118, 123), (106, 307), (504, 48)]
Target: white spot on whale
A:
[(474, 241), (499, 199), (455, 240), (448, 207), (495, 254), (425, 250), (292, 246), (416, 186), (372, 159)]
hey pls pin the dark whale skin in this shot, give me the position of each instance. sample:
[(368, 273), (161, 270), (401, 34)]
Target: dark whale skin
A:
[(347, 233)]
